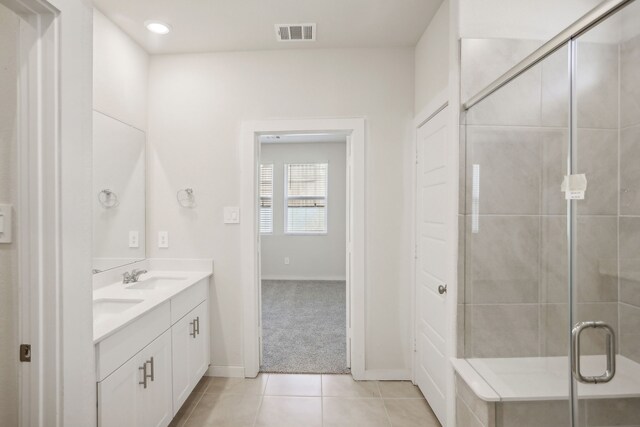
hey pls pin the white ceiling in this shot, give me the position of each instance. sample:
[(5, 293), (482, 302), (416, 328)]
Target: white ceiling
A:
[(225, 25)]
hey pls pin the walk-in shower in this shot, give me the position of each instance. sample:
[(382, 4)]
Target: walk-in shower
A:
[(549, 303)]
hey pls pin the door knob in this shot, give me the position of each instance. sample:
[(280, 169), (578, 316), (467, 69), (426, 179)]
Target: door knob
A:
[(442, 289)]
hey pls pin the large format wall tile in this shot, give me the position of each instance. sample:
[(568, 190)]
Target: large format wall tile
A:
[(509, 162), (506, 330), (484, 411), (612, 412), (597, 85), (554, 284), (593, 340), (502, 260), (630, 171), (629, 335), (555, 145), (555, 89), (597, 260), (630, 260), (598, 160), (518, 103), (555, 326), (629, 83), (533, 414), (554, 323)]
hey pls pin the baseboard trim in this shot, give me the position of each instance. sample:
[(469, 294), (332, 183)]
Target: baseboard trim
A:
[(387, 375), (225, 371), (319, 278)]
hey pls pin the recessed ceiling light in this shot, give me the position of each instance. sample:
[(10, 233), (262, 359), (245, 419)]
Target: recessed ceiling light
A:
[(157, 27)]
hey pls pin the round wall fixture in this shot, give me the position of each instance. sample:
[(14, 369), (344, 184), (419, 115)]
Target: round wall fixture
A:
[(158, 27)]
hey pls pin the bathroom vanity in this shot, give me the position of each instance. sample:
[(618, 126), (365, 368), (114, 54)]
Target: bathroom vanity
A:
[(151, 340)]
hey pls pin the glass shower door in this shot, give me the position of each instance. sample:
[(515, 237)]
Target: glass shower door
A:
[(604, 222)]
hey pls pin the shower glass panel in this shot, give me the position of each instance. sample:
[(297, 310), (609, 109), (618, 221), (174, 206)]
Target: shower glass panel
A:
[(516, 293), (605, 267)]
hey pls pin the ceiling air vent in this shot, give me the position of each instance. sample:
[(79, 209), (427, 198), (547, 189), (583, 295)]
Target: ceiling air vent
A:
[(295, 32)]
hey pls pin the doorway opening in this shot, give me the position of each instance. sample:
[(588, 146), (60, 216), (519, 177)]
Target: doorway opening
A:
[(353, 133), (302, 207)]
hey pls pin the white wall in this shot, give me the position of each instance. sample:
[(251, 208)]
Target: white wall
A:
[(120, 74), (319, 257), (9, 26), (196, 106), (432, 59)]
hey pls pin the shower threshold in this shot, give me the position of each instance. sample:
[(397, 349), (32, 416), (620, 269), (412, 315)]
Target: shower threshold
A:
[(544, 378)]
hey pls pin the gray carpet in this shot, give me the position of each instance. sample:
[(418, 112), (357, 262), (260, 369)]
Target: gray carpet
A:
[(304, 327)]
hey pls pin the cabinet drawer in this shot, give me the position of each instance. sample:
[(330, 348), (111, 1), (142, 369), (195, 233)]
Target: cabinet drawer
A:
[(186, 301), (115, 350)]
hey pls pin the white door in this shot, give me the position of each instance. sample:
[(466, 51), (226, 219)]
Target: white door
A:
[(433, 226)]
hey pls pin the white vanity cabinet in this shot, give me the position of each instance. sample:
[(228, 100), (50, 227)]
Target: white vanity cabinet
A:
[(147, 369), (139, 392), (190, 341)]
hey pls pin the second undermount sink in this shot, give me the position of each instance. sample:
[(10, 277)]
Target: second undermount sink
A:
[(156, 283), (106, 307)]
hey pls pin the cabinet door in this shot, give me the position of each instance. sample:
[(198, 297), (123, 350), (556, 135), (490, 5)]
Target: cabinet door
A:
[(118, 395), (124, 402), (199, 351), (190, 342), (156, 400)]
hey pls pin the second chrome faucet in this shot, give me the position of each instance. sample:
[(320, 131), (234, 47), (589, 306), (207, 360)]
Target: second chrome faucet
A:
[(132, 277)]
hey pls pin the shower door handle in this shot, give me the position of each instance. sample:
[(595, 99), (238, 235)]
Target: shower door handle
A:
[(610, 372)]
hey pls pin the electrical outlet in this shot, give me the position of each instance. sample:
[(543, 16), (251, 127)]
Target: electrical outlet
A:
[(134, 239), (286, 260), (163, 239)]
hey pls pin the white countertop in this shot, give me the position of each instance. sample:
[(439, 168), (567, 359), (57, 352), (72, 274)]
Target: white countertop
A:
[(145, 299)]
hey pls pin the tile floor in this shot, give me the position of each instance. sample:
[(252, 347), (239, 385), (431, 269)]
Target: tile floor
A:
[(279, 400)]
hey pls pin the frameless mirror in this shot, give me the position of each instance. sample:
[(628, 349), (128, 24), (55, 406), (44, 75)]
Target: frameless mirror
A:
[(119, 193)]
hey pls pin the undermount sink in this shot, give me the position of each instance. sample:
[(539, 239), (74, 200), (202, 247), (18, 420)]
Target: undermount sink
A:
[(156, 283), (105, 308)]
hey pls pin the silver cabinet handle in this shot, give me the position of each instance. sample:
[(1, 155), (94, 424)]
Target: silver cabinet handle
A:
[(610, 371), (152, 376), (442, 289), (143, 368), (194, 330), (198, 325)]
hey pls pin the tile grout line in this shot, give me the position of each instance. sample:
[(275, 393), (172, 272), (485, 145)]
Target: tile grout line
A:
[(186, 420), (384, 405), (264, 391)]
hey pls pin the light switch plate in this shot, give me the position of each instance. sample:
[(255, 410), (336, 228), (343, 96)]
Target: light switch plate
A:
[(134, 239), (5, 223), (163, 239), (231, 215)]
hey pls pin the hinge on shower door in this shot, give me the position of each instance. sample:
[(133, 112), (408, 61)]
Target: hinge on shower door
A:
[(25, 352)]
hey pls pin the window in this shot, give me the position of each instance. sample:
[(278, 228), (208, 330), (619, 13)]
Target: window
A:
[(306, 198), (266, 198)]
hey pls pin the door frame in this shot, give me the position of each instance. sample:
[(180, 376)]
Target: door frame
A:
[(354, 128), (439, 103), (53, 225)]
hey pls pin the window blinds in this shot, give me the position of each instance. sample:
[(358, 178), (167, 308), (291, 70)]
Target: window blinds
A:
[(266, 198), (306, 198)]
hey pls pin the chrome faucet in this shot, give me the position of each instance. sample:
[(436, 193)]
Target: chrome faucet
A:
[(132, 277)]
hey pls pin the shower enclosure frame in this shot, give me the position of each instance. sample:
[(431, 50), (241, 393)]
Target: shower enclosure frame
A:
[(566, 38)]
